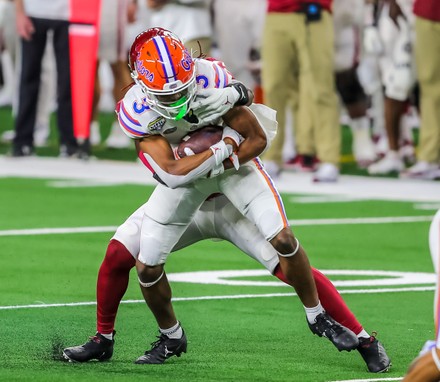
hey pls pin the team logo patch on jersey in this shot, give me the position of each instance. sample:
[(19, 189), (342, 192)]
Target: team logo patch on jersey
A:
[(170, 130), (156, 124)]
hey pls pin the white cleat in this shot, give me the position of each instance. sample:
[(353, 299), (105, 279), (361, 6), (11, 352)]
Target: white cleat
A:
[(422, 170), (390, 163), (326, 173)]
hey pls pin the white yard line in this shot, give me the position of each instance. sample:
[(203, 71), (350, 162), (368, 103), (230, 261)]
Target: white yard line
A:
[(227, 297), (299, 222), (55, 231)]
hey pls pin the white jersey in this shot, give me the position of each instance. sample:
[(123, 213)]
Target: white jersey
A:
[(138, 120), (169, 211)]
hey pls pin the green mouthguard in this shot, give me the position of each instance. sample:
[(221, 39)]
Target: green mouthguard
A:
[(182, 110)]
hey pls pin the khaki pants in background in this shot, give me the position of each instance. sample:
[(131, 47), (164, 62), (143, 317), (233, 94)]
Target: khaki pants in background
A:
[(298, 65), (427, 53)]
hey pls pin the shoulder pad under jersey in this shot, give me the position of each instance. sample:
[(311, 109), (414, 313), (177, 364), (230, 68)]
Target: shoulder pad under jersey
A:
[(135, 117), (211, 73)]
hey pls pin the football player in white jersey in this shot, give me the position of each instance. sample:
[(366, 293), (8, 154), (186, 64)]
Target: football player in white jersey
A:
[(426, 367), (158, 111), (217, 218)]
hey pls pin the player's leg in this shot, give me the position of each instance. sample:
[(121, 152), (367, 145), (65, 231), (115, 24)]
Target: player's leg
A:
[(167, 214), (229, 224), (113, 277), (252, 192), (399, 79), (355, 101)]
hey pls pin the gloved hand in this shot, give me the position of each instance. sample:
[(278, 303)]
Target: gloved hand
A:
[(372, 41), (232, 134), (211, 104), (221, 151)]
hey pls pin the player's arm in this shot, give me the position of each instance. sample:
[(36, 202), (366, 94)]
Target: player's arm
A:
[(156, 154), (243, 121)]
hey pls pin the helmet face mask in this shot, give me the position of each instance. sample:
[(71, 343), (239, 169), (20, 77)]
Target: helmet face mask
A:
[(164, 69)]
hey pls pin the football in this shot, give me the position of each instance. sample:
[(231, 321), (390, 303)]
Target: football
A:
[(200, 140)]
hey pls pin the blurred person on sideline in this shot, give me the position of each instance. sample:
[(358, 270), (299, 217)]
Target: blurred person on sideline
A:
[(8, 94), (157, 112), (35, 18), (392, 40), (348, 16), (115, 14), (426, 366), (238, 29), (427, 48), (298, 63), (188, 19)]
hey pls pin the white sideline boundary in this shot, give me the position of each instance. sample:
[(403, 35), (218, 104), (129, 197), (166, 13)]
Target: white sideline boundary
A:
[(105, 172), (227, 297)]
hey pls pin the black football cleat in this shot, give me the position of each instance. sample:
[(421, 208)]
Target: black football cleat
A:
[(162, 349), (340, 336), (374, 354), (98, 347)]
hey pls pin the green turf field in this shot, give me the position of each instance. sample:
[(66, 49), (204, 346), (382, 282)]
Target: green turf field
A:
[(235, 332)]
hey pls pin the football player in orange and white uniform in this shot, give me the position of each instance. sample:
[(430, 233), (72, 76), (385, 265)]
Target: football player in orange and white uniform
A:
[(157, 112)]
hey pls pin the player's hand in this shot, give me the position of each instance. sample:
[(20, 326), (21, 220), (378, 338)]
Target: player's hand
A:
[(232, 137), (372, 41), (212, 104)]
